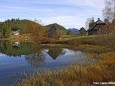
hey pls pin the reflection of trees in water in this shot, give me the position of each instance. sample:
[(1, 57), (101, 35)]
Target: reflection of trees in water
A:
[(9, 49), (36, 59), (32, 51)]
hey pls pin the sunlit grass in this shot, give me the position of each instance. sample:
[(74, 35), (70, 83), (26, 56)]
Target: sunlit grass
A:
[(76, 37), (93, 48)]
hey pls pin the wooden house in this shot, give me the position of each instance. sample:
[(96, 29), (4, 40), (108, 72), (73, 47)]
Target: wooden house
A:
[(95, 27), (82, 31), (55, 31), (52, 32)]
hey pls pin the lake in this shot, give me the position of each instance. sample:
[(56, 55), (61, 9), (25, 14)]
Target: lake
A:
[(17, 60)]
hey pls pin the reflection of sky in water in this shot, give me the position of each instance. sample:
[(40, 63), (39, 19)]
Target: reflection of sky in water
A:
[(14, 65), (68, 57), (10, 67)]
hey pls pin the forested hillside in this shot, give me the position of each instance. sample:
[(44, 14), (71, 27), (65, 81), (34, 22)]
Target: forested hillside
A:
[(13, 25)]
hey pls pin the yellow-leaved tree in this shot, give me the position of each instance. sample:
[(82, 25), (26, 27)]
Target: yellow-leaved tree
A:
[(36, 31)]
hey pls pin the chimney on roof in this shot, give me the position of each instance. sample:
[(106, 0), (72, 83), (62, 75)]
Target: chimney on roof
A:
[(98, 19), (93, 20)]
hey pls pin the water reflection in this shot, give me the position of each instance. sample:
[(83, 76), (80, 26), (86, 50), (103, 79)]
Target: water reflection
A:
[(55, 52), (35, 59), (37, 55), (17, 58)]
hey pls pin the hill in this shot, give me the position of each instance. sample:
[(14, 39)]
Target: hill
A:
[(13, 25), (47, 27)]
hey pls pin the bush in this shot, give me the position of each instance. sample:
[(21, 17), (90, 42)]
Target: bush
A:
[(107, 40)]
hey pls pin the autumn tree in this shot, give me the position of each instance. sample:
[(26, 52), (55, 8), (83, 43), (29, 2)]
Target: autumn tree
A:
[(36, 31), (109, 17), (5, 30), (59, 34), (109, 10)]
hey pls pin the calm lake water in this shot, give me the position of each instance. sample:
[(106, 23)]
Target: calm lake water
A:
[(20, 59)]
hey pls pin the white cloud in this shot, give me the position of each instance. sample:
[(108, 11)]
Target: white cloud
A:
[(92, 3), (68, 21), (70, 13)]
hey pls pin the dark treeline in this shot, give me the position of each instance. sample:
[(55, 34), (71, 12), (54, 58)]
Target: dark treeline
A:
[(11, 25), (14, 50)]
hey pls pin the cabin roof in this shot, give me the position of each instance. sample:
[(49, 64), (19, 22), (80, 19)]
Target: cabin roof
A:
[(98, 22), (53, 29), (82, 29)]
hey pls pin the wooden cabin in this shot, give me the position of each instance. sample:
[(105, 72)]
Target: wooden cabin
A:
[(52, 32), (82, 31), (95, 27)]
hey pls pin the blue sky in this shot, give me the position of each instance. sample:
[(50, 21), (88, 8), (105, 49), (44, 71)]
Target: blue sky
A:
[(69, 13)]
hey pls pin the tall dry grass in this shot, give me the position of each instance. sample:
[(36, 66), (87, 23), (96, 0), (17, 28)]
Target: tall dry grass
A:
[(102, 71)]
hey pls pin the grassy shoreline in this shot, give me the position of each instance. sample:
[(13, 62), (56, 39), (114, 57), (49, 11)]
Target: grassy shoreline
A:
[(76, 75)]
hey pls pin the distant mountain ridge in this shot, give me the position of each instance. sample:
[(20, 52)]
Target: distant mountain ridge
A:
[(73, 30)]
